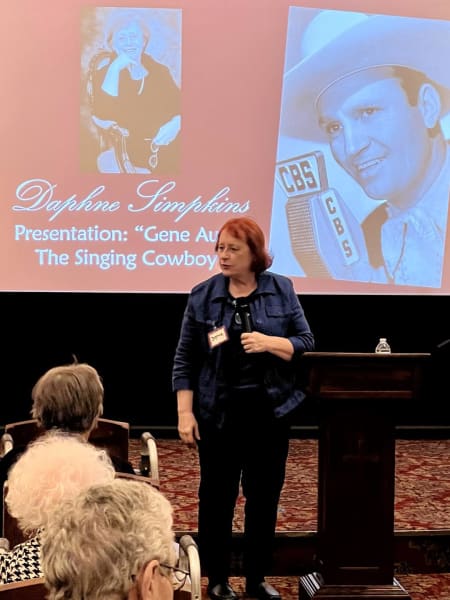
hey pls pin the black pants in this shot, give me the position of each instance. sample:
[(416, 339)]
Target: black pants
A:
[(250, 450)]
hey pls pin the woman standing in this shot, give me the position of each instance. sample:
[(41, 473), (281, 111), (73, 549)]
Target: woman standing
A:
[(235, 377)]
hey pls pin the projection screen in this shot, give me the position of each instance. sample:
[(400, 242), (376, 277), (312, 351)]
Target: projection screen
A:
[(133, 131)]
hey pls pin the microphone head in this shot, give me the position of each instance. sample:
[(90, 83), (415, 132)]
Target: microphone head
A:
[(246, 318), (247, 321), (326, 238)]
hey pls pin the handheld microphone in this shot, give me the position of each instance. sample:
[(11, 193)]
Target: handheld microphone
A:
[(246, 318)]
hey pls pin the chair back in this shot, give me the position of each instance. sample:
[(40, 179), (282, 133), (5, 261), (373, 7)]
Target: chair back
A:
[(112, 435), (29, 589), (23, 432)]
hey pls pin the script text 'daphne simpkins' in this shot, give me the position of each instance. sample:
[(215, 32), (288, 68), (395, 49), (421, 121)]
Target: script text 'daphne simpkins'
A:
[(39, 195)]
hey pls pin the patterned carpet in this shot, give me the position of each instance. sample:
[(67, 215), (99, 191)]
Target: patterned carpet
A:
[(422, 499)]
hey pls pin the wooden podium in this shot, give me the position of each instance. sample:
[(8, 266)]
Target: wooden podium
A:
[(357, 396)]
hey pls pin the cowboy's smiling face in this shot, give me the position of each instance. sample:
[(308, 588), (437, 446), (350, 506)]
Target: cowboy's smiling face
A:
[(376, 135)]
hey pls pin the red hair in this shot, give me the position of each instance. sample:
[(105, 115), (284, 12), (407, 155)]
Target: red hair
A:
[(250, 232)]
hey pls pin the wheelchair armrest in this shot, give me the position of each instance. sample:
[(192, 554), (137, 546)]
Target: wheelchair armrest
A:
[(189, 560), (149, 456)]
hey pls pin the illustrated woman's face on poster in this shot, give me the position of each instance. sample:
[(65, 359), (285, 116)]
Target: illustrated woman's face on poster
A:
[(129, 39)]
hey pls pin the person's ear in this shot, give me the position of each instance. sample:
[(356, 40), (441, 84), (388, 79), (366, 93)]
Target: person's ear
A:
[(148, 581), (429, 103)]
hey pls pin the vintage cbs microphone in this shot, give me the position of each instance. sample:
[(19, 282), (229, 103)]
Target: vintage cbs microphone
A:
[(325, 236)]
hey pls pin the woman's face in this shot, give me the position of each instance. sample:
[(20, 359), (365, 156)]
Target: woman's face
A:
[(235, 257), (129, 40)]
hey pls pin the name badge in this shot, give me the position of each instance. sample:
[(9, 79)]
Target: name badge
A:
[(217, 336)]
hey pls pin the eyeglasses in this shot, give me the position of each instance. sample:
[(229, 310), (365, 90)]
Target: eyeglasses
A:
[(153, 158), (179, 576)]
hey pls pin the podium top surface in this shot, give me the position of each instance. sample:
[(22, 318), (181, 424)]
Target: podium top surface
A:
[(369, 375)]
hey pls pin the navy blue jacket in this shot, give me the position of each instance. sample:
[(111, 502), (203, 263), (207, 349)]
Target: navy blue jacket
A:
[(275, 310)]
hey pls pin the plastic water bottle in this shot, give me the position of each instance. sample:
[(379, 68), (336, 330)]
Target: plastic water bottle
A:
[(383, 347)]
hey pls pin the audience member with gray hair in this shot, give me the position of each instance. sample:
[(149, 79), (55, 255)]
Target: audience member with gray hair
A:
[(68, 399), (52, 469), (112, 541)]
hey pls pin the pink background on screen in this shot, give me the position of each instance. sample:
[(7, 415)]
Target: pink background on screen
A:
[(232, 67)]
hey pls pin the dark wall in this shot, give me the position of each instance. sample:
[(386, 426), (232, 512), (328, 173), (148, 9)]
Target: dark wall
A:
[(130, 339)]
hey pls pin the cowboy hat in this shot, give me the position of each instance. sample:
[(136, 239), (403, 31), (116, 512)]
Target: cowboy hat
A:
[(338, 43)]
